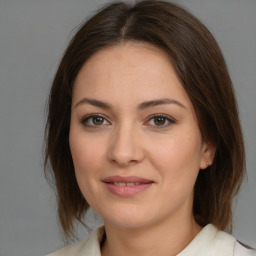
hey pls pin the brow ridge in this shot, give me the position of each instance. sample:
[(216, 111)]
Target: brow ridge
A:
[(153, 103), (141, 106), (94, 102)]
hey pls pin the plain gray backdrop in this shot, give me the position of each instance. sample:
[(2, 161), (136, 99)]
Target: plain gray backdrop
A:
[(33, 35)]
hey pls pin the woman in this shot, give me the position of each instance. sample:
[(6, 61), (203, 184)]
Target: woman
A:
[(143, 127)]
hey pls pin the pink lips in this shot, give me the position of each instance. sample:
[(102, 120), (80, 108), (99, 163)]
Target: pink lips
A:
[(126, 186)]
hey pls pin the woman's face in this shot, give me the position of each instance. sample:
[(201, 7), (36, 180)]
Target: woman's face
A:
[(134, 137)]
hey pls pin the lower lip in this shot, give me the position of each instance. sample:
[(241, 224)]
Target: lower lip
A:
[(127, 190)]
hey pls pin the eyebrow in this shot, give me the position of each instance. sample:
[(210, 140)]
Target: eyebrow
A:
[(153, 103), (94, 102), (141, 106)]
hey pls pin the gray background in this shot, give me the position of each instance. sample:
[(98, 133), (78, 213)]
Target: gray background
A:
[(33, 35)]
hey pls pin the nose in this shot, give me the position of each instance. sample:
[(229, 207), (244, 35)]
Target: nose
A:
[(125, 146)]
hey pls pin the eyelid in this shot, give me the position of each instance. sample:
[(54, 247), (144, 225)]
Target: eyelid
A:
[(87, 117), (167, 117), (170, 120)]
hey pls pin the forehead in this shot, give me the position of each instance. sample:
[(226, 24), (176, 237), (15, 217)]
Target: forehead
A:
[(122, 51), (138, 70), (134, 56)]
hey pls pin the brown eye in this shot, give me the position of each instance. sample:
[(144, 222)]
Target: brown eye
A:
[(94, 120), (159, 120), (97, 120)]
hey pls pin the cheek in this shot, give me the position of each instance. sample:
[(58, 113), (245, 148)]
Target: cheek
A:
[(178, 158), (87, 157), (87, 154)]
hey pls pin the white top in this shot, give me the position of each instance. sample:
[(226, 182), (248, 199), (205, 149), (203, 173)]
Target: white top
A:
[(209, 242)]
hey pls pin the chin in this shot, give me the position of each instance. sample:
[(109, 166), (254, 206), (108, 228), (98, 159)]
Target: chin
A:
[(129, 221)]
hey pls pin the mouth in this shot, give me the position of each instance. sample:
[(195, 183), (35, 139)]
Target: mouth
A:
[(126, 181), (123, 184), (126, 186)]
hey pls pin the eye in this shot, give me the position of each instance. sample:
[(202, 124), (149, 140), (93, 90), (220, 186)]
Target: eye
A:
[(94, 120), (160, 121)]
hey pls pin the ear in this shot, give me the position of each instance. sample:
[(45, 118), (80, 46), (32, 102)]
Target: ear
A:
[(208, 153)]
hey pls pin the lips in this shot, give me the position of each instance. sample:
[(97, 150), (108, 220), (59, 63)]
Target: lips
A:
[(129, 184), (126, 186)]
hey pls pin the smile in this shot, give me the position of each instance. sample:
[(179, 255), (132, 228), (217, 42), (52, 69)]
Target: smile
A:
[(127, 186)]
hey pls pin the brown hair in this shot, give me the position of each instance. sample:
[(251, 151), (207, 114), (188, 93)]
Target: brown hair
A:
[(201, 68)]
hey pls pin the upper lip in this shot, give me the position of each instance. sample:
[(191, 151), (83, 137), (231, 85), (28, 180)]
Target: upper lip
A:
[(127, 179)]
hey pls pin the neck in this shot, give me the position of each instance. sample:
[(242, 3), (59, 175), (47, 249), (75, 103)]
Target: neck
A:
[(168, 238)]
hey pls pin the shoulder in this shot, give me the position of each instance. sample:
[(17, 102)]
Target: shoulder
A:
[(89, 246), (238, 248), (72, 249), (212, 241), (243, 250)]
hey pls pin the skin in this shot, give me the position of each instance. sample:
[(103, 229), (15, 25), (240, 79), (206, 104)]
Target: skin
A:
[(128, 141)]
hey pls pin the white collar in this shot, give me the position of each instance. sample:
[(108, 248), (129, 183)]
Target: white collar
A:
[(209, 242)]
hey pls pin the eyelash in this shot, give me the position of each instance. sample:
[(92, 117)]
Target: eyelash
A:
[(85, 120), (166, 118)]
